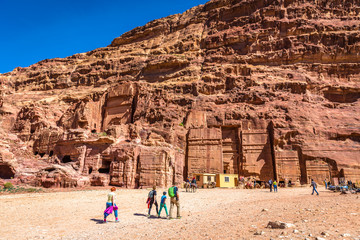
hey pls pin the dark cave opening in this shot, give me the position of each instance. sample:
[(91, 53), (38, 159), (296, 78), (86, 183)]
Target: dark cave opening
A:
[(6, 172), (104, 170), (66, 159), (105, 167)]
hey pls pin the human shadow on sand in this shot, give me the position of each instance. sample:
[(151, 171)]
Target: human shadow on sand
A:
[(98, 221), (144, 215)]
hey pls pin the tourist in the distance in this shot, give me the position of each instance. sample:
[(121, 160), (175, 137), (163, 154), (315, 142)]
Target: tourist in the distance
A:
[(325, 183), (314, 186), (111, 203), (270, 184), (275, 186), (193, 182), (152, 199), (350, 185), (188, 184), (289, 183)]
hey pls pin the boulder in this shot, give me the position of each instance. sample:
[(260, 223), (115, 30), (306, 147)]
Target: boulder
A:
[(279, 225)]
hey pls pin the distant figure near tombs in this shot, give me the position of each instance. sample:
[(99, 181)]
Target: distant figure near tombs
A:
[(314, 186), (187, 184), (275, 186), (270, 184)]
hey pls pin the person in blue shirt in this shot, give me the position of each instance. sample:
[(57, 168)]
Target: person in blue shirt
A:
[(163, 205), (325, 183), (188, 184), (314, 186), (270, 184), (193, 185), (193, 182)]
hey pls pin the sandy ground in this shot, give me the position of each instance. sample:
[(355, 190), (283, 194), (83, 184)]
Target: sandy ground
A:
[(206, 214)]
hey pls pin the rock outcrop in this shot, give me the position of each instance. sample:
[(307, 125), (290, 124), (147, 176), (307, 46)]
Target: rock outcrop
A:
[(258, 88)]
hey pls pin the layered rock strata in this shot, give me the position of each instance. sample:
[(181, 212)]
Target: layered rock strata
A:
[(259, 88)]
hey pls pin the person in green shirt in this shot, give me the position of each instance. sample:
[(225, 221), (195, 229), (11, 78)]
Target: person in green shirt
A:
[(275, 186)]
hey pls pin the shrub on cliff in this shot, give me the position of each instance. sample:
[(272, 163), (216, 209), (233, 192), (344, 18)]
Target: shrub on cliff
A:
[(8, 185)]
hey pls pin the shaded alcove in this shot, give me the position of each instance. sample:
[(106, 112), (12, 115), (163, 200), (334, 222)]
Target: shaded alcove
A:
[(105, 166), (6, 172), (341, 173), (268, 171), (66, 159), (104, 170), (138, 168)]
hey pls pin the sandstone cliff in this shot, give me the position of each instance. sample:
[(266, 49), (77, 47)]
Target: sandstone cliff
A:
[(259, 88)]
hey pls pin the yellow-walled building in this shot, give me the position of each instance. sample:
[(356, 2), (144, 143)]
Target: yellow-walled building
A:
[(226, 180)]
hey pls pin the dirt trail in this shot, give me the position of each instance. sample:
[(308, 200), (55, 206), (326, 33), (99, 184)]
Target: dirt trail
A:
[(207, 214)]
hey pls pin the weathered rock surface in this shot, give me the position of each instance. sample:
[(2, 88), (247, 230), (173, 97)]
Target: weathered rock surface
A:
[(259, 88)]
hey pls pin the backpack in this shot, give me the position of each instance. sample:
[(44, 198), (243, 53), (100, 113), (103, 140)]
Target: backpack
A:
[(151, 194), (171, 192)]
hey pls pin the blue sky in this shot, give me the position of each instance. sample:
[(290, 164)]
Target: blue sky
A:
[(33, 30)]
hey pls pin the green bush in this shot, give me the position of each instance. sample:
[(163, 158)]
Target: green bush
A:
[(32, 190), (9, 188), (8, 185)]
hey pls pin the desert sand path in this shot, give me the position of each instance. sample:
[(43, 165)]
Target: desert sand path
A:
[(207, 214)]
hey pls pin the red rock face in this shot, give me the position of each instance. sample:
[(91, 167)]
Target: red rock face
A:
[(259, 88)]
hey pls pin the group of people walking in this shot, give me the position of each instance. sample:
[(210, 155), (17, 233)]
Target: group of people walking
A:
[(151, 200), (174, 200)]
